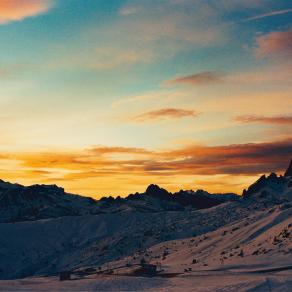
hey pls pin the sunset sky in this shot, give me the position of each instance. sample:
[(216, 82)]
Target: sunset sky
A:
[(104, 97)]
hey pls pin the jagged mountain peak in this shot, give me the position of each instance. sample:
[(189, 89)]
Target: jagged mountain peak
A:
[(271, 188), (156, 191), (288, 172)]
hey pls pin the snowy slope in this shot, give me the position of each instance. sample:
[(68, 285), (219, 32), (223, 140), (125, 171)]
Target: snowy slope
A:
[(50, 245), (262, 240), (251, 254)]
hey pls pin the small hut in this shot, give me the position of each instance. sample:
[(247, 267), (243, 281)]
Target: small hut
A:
[(146, 270)]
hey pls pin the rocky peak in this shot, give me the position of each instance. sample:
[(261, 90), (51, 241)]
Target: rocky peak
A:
[(288, 172), (156, 191)]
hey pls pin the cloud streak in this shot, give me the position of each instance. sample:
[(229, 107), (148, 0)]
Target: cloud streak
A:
[(279, 120), (165, 113), (201, 78), (16, 10), (265, 15)]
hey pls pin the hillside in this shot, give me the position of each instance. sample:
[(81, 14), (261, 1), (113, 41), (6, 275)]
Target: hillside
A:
[(249, 254), (50, 245), (262, 240)]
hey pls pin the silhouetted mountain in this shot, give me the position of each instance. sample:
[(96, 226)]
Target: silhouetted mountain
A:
[(156, 191), (272, 181), (20, 203), (288, 172), (180, 200), (199, 199), (272, 189)]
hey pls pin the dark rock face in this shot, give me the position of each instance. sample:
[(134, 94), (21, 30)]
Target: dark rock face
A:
[(272, 181), (288, 172), (21, 195), (20, 203), (199, 199), (156, 191), (260, 183), (154, 195)]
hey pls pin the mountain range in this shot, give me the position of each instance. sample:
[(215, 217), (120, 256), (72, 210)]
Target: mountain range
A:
[(45, 230), (20, 203)]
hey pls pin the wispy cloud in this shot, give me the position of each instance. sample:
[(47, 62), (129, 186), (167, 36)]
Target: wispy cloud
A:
[(281, 120), (3, 73), (165, 113), (103, 150), (277, 43), (16, 10), (141, 33), (201, 78), (151, 96), (109, 58), (268, 14), (10, 71), (265, 74), (130, 10)]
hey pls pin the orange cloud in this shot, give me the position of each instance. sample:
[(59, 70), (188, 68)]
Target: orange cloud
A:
[(96, 169), (252, 158), (201, 78), (281, 120), (166, 113), (15, 10), (278, 43), (118, 150)]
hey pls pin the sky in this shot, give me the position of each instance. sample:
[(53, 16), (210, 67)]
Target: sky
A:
[(104, 97)]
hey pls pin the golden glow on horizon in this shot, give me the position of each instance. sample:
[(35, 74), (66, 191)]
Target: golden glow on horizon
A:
[(99, 171)]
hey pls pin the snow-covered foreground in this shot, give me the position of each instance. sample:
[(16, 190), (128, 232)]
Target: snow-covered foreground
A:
[(200, 281), (45, 247), (251, 254)]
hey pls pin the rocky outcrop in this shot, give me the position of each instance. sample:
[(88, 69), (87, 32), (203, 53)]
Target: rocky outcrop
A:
[(288, 172)]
